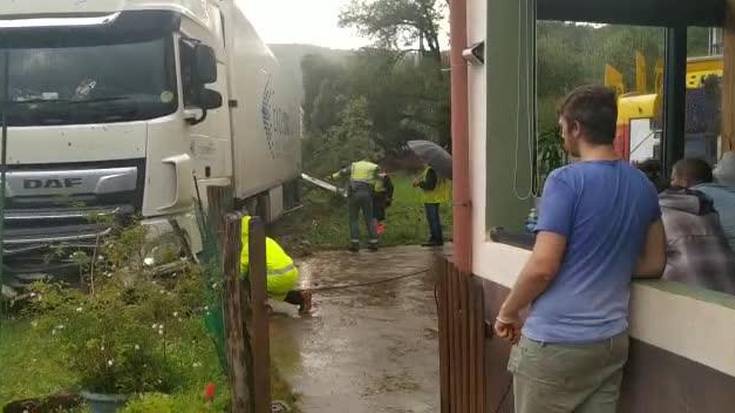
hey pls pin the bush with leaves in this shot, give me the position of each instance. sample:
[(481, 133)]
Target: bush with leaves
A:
[(152, 402), (116, 336)]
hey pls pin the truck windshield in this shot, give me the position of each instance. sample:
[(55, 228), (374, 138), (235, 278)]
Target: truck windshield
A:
[(88, 84)]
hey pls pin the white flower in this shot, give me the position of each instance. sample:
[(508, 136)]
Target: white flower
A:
[(102, 348), (100, 257), (197, 364), (79, 309), (176, 313), (33, 295), (137, 347), (149, 261), (34, 324), (60, 327), (110, 362)]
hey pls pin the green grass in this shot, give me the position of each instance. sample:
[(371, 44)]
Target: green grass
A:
[(323, 222), (31, 367)]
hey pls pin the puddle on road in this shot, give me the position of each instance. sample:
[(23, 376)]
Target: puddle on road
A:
[(366, 349)]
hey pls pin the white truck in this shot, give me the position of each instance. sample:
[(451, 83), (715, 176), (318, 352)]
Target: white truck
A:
[(116, 108)]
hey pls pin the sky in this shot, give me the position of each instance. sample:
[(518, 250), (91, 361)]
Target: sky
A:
[(302, 21)]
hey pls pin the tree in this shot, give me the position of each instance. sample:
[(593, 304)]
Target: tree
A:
[(349, 140), (398, 24), (323, 80)]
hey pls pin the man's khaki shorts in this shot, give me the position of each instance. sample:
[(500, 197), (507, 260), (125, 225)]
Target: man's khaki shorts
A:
[(566, 378)]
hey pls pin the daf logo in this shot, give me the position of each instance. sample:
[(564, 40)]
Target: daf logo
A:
[(51, 183)]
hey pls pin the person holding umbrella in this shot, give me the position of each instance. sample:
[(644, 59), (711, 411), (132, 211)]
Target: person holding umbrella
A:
[(435, 184)]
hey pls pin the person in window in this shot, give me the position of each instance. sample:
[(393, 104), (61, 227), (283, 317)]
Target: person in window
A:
[(599, 226), (696, 248), (722, 192), (652, 169)]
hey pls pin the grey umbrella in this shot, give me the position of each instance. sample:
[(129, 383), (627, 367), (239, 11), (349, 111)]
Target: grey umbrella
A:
[(433, 155)]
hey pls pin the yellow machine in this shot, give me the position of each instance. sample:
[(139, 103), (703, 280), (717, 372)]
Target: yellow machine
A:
[(636, 138)]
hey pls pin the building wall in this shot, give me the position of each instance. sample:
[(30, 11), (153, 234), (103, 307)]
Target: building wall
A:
[(683, 340)]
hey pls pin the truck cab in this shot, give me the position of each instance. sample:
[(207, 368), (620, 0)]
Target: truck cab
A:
[(115, 110)]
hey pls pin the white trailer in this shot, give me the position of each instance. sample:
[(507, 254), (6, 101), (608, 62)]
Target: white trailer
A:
[(116, 106)]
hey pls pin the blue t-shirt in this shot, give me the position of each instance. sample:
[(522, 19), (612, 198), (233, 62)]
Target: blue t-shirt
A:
[(604, 209)]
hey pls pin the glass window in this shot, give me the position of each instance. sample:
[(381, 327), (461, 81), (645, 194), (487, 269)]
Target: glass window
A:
[(550, 59), (186, 50), (89, 84)]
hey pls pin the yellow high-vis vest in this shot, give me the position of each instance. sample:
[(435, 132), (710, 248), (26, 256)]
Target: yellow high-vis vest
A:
[(282, 275), (364, 171), (441, 193)]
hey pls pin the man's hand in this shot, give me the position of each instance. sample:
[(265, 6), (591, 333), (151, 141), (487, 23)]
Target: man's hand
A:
[(509, 328)]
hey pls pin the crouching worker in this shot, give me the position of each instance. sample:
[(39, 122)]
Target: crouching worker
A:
[(282, 276)]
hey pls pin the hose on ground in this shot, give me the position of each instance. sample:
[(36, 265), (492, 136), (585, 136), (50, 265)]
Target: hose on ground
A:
[(366, 283)]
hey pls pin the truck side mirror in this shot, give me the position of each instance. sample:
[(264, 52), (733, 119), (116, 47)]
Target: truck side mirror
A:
[(210, 99), (207, 99), (205, 63)]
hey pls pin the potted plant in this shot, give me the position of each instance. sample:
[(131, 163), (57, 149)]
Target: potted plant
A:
[(550, 153)]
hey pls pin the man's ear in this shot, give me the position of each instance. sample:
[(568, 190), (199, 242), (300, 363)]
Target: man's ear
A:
[(576, 129)]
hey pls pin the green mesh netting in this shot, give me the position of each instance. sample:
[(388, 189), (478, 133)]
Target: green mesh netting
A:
[(212, 275)]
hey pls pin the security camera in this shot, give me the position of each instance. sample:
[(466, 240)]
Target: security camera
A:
[(475, 55)]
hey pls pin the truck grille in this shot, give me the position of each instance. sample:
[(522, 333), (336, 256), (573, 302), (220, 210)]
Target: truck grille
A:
[(64, 206)]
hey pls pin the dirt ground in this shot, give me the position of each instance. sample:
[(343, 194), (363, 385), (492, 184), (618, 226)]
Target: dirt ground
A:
[(364, 349)]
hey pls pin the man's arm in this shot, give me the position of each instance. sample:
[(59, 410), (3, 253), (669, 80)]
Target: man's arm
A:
[(652, 261), (429, 183), (539, 272), (342, 173)]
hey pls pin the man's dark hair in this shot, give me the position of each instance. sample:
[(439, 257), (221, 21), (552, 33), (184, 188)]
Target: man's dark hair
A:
[(694, 170), (596, 110), (653, 169)]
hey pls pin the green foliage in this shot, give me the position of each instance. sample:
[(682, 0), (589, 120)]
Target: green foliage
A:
[(115, 338), (33, 361), (570, 55), (352, 135), (398, 24), (550, 152), (323, 222), (389, 94), (152, 402)]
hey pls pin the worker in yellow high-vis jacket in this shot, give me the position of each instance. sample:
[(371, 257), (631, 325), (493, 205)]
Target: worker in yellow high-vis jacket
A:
[(363, 177), (282, 276), (437, 190)]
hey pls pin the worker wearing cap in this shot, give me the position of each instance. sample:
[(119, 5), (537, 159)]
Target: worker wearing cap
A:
[(363, 177), (282, 276)]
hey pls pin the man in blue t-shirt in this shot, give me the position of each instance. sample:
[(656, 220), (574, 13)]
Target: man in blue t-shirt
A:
[(599, 225)]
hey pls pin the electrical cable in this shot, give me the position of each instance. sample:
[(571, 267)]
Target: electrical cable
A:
[(366, 283), (528, 76)]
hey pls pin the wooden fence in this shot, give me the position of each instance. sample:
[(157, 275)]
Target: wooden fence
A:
[(245, 307), (461, 340)]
